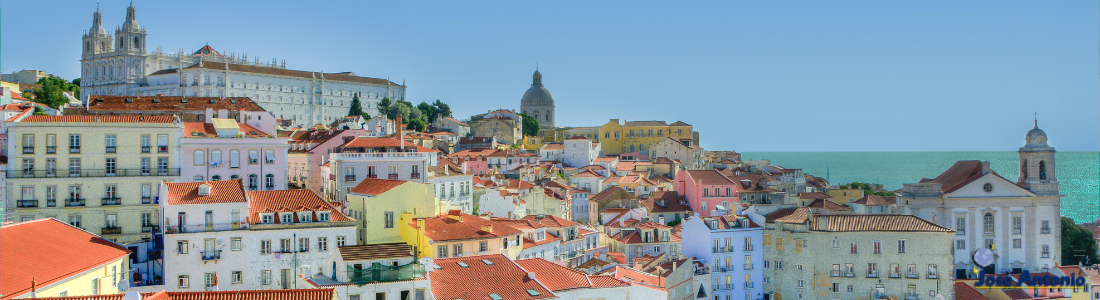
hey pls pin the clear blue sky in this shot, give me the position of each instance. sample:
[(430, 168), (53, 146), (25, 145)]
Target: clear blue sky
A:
[(751, 76)]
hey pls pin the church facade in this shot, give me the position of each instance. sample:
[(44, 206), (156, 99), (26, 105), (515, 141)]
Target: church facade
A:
[(121, 64), (538, 103), (1020, 221)]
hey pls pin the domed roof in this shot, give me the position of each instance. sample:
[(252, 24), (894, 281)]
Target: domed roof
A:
[(537, 95), (97, 25), (1036, 138), (131, 24)]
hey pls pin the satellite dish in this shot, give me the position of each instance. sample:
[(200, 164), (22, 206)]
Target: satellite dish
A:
[(983, 257), (939, 297), (131, 296)]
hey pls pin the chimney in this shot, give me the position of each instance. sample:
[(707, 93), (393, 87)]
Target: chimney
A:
[(985, 168), (487, 228), (661, 219), (531, 275), (400, 131), (674, 265), (34, 287), (455, 214)]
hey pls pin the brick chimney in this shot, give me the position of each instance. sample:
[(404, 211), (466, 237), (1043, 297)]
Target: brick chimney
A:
[(400, 131), (455, 214), (487, 228)]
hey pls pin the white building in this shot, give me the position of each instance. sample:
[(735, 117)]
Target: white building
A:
[(250, 240), (1021, 220), (222, 149), (580, 151), (120, 64), (377, 157), (376, 271), (454, 187), (733, 256)]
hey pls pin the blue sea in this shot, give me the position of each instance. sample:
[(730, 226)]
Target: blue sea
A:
[(1078, 172)]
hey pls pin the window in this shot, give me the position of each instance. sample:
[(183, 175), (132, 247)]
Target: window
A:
[(340, 241), (878, 247), (110, 141), (74, 167), (269, 181), (901, 246), (253, 157), (1046, 251), (200, 157), (265, 277), (287, 218), (252, 182), (987, 223), (1017, 225), (303, 245), (269, 156), (456, 250), (184, 281), (235, 243), (441, 252), (181, 247), (836, 243), (854, 248), (74, 220), (162, 143), (215, 158), (1045, 228), (145, 143), (960, 226), (237, 277), (960, 244), (322, 243), (284, 246), (234, 159), (265, 247), (74, 143), (162, 166), (388, 219), (209, 281)]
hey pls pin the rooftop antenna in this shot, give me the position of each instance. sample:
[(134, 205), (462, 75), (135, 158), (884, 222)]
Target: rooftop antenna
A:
[(1036, 119)]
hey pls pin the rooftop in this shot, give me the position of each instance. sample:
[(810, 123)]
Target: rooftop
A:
[(171, 103), (375, 251), (226, 191), (453, 280), (375, 187), (298, 201)]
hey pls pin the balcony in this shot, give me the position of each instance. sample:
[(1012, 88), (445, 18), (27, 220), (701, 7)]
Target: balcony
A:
[(253, 187), (748, 285), (112, 201), (28, 150), (702, 271), (162, 149), (112, 230), (872, 274), (253, 161), (748, 247), (393, 176), (93, 173), (26, 203), (112, 149), (372, 176), (211, 255), (51, 149), (51, 202), (414, 175), (206, 228), (850, 274), (381, 273), (146, 200), (895, 275), (912, 296), (74, 202), (1044, 230), (834, 273), (349, 177), (149, 228), (74, 150), (933, 276), (912, 275), (748, 267), (145, 149)]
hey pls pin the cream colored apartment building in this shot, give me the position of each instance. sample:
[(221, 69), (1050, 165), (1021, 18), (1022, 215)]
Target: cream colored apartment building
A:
[(97, 173)]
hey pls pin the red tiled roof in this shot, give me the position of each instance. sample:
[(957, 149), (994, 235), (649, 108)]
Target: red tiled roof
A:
[(587, 173), (17, 96), (873, 200), (290, 201), (519, 184), (670, 200), (550, 221), (102, 119), (876, 222), (226, 191), (445, 228), (635, 237), (789, 215), (829, 205), (299, 294), (814, 195), (727, 222), (559, 278), (529, 243), (384, 142), (171, 103), (375, 187), (958, 175), (208, 130), (553, 147), (964, 291), (709, 177), (504, 278), (1017, 294), (49, 251)]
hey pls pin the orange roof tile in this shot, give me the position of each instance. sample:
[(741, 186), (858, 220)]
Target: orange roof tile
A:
[(375, 187), (49, 251), (829, 205), (289, 201), (445, 228), (876, 222), (299, 294), (227, 191), (550, 221), (789, 215), (102, 119), (559, 278), (508, 280), (873, 200), (709, 177), (190, 129)]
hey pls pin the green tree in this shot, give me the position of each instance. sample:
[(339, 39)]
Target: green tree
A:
[(867, 189), (51, 91), (416, 124), (530, 125), (76, 82), (38, 111), (1078, 245), (357, 107), (442, 108), (384, 106), (427, 111)]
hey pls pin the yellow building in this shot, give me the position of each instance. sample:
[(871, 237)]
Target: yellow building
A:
[(456, 234), (845, 196), (57, 260), (382, 205), (640, 136), (97, 173)]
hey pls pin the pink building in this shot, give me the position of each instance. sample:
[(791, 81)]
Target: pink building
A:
[(310, 149), (708, 191), (473, 161), (223, 149)]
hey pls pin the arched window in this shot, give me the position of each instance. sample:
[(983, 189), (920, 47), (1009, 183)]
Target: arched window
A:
[(253, 157), (987, 223), (234, 159), (269, 181), (198, 178), (216, 157), (234, 176), (548, 116), (1042, 170), (137, 43), (269, 156), (200, 157), (216, 178), (631, 148), (1023, 169), (252, 181)]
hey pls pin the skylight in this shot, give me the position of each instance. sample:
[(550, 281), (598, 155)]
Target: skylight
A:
[(533, 293), (487, 262), (494, 296), (462, 264)]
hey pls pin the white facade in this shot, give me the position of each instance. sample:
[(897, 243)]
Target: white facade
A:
[(455, 189), (351, 168), (501, 204), (734, 256), (120, 64), (580, 152)]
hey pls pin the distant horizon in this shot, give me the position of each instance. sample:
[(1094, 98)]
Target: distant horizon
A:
[(866, 76)]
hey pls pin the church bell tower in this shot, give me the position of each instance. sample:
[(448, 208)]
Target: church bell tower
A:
[(1037, 164)]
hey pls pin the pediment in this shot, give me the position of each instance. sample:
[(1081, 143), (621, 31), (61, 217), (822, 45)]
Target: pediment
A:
[(1000, 188)]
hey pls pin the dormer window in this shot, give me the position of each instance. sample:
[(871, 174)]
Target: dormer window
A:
[(267, 218), (287, 218), (204, 189), (323, 216), (305, 217)]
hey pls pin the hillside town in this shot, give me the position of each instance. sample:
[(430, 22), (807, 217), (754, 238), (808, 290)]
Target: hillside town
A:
[(278, 184)]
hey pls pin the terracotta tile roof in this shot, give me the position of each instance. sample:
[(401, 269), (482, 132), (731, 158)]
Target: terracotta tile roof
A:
[(964, 291), (873, 200), (1072, 270), (517, 224), (17, 96), (299, 294), (606, 158), (663, 160), (171, 103), (445, 228), (509, 281), (519, 184), (638, 277), (728, 222), (282, 72), (190, 129), (594, 262), (666, 201), (49, 251), (587, 173), (559, 278), (789, 215), (456, 121), (103, 119), (375, 187), (550, 221), (552, 147), (829, 205), (375, 251), (226, 191), (876, 222), (529, 243), (709, 177), (635, 237), (485, 182), (303, 200), (1017, 294), (957, 175), (644, 123), (814, 195)]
